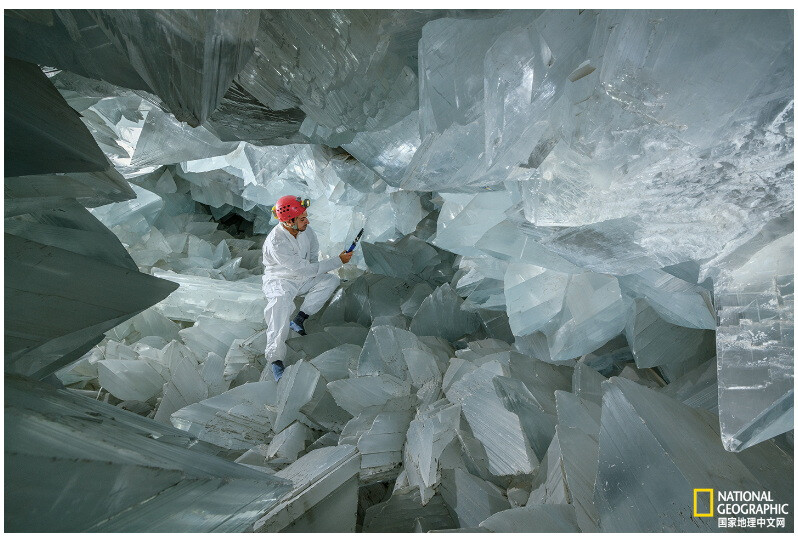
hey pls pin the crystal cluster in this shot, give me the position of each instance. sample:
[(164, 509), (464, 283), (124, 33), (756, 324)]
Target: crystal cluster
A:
[(571, 306)]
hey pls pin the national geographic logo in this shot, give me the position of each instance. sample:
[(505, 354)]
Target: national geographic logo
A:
[(697, 508), (740, 508)]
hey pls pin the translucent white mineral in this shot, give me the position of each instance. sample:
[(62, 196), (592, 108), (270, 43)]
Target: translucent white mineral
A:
[(239, 418), (508, 449), (674, 445), (755, 339)]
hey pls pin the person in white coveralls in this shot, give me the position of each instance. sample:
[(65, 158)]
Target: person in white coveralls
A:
[(291, 268)]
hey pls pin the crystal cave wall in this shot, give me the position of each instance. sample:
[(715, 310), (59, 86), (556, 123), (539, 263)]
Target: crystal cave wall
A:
[(571, 306)]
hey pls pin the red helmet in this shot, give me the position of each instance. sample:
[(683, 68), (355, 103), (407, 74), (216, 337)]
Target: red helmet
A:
[(289, 207)]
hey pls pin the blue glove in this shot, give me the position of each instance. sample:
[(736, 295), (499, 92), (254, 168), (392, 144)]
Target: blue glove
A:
[(277, 369)]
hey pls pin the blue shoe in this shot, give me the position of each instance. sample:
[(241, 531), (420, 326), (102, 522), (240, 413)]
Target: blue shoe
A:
[(298, 324), (277, 369)]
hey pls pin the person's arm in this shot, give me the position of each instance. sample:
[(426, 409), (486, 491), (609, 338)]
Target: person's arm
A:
[(284, 254), (314, 246)]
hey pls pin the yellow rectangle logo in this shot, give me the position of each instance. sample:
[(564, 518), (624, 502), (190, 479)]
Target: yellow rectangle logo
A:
[(711, 502)]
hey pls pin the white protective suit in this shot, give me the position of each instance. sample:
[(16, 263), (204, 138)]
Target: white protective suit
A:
[(291, 268)]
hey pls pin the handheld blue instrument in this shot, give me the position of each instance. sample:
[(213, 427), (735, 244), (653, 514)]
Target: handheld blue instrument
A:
[(354, 242)]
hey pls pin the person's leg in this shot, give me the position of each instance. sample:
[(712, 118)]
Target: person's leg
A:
[(279, 306), (319, 290)]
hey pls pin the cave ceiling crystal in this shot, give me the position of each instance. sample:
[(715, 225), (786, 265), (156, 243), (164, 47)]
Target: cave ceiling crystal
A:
[(571, 306)]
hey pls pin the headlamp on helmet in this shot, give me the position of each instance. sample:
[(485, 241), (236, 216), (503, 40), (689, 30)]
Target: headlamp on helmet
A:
[(289, 207)]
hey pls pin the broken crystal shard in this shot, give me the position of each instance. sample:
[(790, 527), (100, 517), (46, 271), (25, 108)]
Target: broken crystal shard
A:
[(720, 95), (289, 443), (381, 446), (134, 380), (384, 351), (164, 140), (592, 174), (471, 499), (698, 387), (312, 344), (674, 445), (336, 363), (456, 370), (347, 333), (241, 359), (587, 382), (210, 334), (554, 194), (90, 189), (80, 373), (325, 440), (147, 323), (135, 215), (70, 40), (464, 218), (435, 167), (480, 280), (644, 377), (71, 227), (350, 84), (399, 321), (526, 70), (593, 312), (323, 413), (242, 117), (441, 314), (407, 211), (59, 436), (404, 511), (237, 301), (355, 427), (607, 247), (538, 426), (543, 518), (408, 258), (387, 151), (511, 241), (256, 458), (373, 295), (610, 358), (202, 58), (578, 413), (48, 135), (427, 436), (186, 386), (236, 419), (213, 374), (755, 344), (541, 378), (321, 474), (570, 469), (497, 324), (517, 496), (500, 431), (357, 394), (678, 302), (656, 342), (534, 296), (451, 68), (299, 383), (83, 301)]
